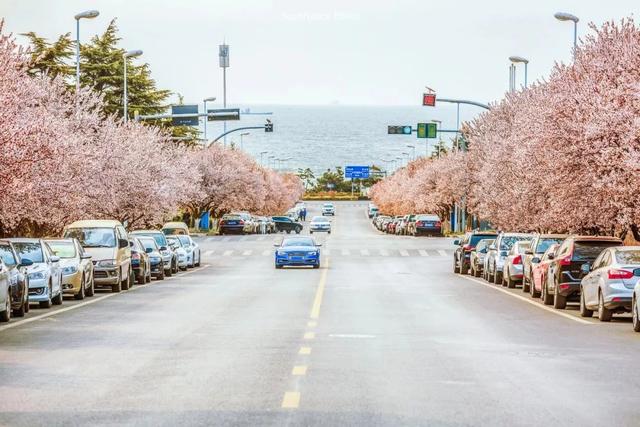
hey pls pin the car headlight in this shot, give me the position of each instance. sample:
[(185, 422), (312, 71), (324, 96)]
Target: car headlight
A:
[(154, 259), (189, 249), (281, 253), (109, 263), (36, 276), (313, 253), (165, 253), (69, 270)]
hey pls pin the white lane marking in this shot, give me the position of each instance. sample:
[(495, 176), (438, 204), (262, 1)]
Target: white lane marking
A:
[(93, 300), (351, 336), (209, 253), (404, 252), (364, 252), (345, 252), (247, 252), (422, 252), (267, 252), (384, 252), (528, 300), (227, 253), (442, 252)]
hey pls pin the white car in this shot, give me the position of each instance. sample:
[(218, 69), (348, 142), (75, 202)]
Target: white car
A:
[(45, 275), (192, 249), (328, 209), (319, 224), (181, 252)]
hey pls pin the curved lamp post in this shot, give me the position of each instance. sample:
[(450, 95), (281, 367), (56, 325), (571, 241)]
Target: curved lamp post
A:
[(129, 54), (563, 16), (88, 14)]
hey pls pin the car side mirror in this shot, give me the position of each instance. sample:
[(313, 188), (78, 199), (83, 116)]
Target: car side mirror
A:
[(551, 256), (123, 243), (54, 258), (535, 260), (456, 242), (85, 256), (275, 245), (318, 245), (131, 243), (148, 250), (163, 248), (25, 262), (585, 268), (528, 252)]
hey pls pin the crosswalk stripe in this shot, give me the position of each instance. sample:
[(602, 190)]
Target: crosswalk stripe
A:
[(442, 252), (403, 252), (247, 252), (227, 253), (364, 252), (346, 252), (422, 252), (384, 252)]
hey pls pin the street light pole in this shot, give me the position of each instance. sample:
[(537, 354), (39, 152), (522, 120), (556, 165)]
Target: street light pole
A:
[(262, 153), (241, 143), (520, 60), (563, 16), (206, 119), (413, 147), (129, 54), (223, 54), (89, 14)]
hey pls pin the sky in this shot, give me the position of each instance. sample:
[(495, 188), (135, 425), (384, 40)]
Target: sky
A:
[(349, 52)]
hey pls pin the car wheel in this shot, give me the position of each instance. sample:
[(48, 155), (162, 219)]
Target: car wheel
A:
[(126, 284), (464, 269), (497, 276), (142, 278), (511, 284), (175, 267), (604, 314), (310, 232), (298, 230), (525, 284), (117, 287), (92, 289), (635, 318), (161, 275), (546, 298), (5, 315), (80, 295), (20, 312), (316, 266), (455, 265), (559, 301), (584, 311), (57, 300), (532, 290), (278, 266)]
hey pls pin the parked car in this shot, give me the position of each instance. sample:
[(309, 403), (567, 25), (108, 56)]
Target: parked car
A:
[(247, 221), (139, 261), (498, 252), (319, 224), (462, 254), (77, 267), (108, 244), (297, 251), (192, 249), (513, 264), (284, 223), (5, 293), (45, 274), (233, 223), (608, 285), (181, 251), (539, 268), (478, 254), (539, 244), (328, 209), (169, 256), (264, 225), (382, 221), (565, 271), (18, 277), (372, 210), (426, 224), (156, 262), (635, 308), (174, 228)]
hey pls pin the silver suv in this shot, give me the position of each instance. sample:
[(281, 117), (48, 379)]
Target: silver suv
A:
[(498, 251)]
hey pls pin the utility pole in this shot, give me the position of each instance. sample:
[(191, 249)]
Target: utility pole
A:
[(223, 53)]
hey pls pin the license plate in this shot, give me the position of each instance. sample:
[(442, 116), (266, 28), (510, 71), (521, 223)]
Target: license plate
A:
[(429, 224), (296, 258), (232, 222)]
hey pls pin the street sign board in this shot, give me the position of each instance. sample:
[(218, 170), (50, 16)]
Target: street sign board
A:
[(223, 54), (399, 130), (224, 114), (429, 99), (427, 130), (184, 109), (356, 172)]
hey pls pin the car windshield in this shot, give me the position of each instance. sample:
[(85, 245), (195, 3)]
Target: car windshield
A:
[(544, 244), (93, 237), (149, 244), (508, 241), (628, 257), (427, 218), (298, 242), (29, 250), (589, 251), (7, 255), (476, 238), (319, 219), (160, 238), (184, 239), (62, 249)]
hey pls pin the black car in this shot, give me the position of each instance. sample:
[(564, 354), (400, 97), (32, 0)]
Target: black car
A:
[(462, 254), (18, 276), (425, 224), (565, 271), (231, 223), (284, 223)]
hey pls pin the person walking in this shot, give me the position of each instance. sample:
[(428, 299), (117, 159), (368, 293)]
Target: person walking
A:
[(304, 214)]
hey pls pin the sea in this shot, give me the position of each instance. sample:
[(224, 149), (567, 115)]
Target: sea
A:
[(323, 137)]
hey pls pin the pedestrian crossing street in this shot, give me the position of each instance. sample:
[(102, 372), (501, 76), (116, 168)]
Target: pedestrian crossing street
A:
[(340, 252)]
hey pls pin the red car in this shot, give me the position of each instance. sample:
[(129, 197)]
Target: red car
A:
[(539, 269)]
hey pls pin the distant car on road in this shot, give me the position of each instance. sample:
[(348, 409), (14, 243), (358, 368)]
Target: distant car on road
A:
[(609, 283), (466, 245), (286, 224), (372, 210), (180, 250), (174, 228), (328, 209), (426, 224), (169, 257), (297, 251), (320, 224), (192, 249), (233, 223)]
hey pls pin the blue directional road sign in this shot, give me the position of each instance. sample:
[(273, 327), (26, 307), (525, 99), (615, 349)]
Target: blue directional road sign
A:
[(356, 172)]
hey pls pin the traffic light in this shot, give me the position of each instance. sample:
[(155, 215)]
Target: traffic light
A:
[(268, 127), (399, 130), (427, 130)]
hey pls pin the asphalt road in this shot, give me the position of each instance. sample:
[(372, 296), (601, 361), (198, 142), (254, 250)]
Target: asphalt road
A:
[(383, 334)]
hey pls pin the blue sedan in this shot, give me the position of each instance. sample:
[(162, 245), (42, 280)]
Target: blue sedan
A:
[(298, 251)]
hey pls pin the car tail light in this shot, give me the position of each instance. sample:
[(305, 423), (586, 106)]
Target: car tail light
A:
[(564, 287), (241, 222), (565, 261), (517, 260), (438, 224), (135, 255), (620, 274), (221, 222), (467, 247)]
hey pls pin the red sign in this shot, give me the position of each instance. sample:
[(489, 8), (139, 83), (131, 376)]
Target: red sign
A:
[(429, 99)]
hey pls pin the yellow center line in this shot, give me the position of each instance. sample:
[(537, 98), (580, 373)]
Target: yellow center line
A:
[(299, 370), (291, 400), (305, 350), (317, 301)]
